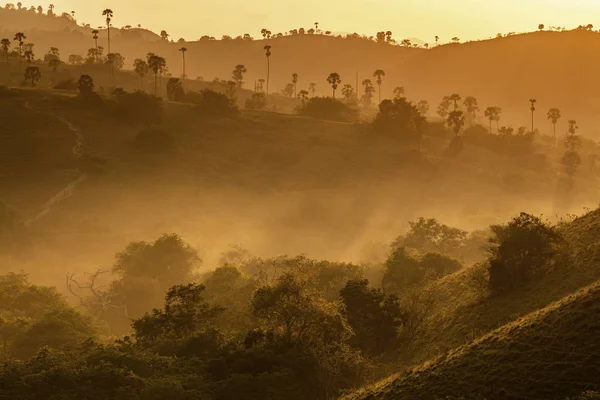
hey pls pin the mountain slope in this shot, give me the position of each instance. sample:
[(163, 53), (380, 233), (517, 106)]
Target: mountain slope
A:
[(549, 354)]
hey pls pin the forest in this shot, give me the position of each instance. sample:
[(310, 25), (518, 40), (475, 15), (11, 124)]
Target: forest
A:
[(288, 232)]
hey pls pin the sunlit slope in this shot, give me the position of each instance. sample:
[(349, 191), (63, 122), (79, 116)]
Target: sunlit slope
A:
[(548, 354)]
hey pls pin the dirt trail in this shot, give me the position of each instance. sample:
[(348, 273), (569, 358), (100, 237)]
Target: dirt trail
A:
[(67, 191)]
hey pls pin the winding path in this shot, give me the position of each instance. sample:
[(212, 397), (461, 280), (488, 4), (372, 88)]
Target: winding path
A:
[(77, 152)]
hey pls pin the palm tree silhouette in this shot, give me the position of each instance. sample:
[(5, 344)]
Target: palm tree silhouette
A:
[(472, 108), (183, 76), (334, 80), (5, 43), (20, 37), (157, 64), (554, 115), (295, 82), (398, 92), (108, 13), (532, 101), (267, 49), (312, 87), (95, 33), (493, 114), (455, 98), (379, 74)]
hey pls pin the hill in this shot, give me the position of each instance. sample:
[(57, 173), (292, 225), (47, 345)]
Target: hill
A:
[(504, 72), (549, 354)]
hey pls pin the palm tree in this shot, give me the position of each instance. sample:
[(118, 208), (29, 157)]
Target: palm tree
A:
[(108, 13), (334, 80), (312, 88), (436, 40), (267, 49), (455, 98), (348, 91), (316, 26), (303, 95), (532, 101), (33, 75), (295, 82), (472, 108), (5, 43), (141, 69), (493, 114), (554, 115), (95, 33), (379, 74), (456, 120), (183, 76), (157, 64), (238, 74), (398, 92), (261, 85), (20, 37)]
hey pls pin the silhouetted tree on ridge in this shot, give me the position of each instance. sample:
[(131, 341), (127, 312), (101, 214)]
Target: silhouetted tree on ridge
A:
[(334, 80), (379, 74), (554, 115)]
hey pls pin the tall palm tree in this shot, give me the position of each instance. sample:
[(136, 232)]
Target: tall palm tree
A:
[(295, 82), (334, 80), (554, 115), (312, 88), (493, 114), (532, 101), (268, 54), (108, 13), (95, 33), (379, 74), (472, 108), (5, 43), (20, 37), (455, 98), (183, 50), (157, 65)]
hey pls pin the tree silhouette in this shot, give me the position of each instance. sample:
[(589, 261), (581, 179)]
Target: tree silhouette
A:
[(295, 82), (33, 75), (267, 49), (348, 91), (108, 13), (456, 120), (455, 98), (316, 26), (157, 65), (554, 115), (423, 107), (183, 50), (541, 27), (379, 74), (472, 108), (164, 35), (85, 84), (20, 37), (141, 69), (493, 114), (444, 107), (571, 159), (312, 87), (368, 92), (532, 108), (238, 75), (28, 53), (437, 38), (261, 85), (334, 80), (303, 95), (54, 63), (5, 43), (398, 92), (95, 33)]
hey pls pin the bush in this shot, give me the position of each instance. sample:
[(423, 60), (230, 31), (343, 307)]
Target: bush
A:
[(400, 118), (257, 101), (175, 90), (329, 109), (211, 102), (521, 251), (154, 140), (138, 107)]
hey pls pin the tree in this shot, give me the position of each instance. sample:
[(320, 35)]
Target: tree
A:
[(493, 114), (238, 75), (5, 43), (437, 38), (532, 108), (571, 159), (54, 63), (398, 92), (157, 65), (379, 74), (303, 95), (455, 39), (456, 120), (348, 91), (541, 27), (141, 69), (261, 85), (399, 117), (455, 98), (423, 107), (108, 13), (85, 84), (175, 90), (334, 80), (33, 75), (95, 33), (267, 49), (288, 90), (554, 115), (115, 60), (444, 107), (368, 92), (183, 50), (295, 83), (164, 35), (472, 107), (380, 36), (312, 88), (20, 37), (28, 53), (75, 59), (406, 43), (374, 316), (521, 251)]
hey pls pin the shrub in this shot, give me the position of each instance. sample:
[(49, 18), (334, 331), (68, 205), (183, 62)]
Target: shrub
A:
[(154, 140), (329, 109), (66, 84), (175, 90), (138, 107), (211, 102), (257, 101), (438, 265), (400, 118), (520, 251)]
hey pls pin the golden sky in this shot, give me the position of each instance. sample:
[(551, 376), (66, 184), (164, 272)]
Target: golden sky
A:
[(423, 19)]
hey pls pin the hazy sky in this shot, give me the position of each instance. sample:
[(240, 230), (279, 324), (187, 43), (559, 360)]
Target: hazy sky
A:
[(467, 19)]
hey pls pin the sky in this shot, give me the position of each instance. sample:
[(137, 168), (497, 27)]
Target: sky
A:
[(422, 19)]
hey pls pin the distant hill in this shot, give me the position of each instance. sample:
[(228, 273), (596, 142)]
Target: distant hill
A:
[(556, 68)]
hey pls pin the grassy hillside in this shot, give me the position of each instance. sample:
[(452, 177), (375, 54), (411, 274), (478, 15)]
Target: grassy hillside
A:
[(549, 354)]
